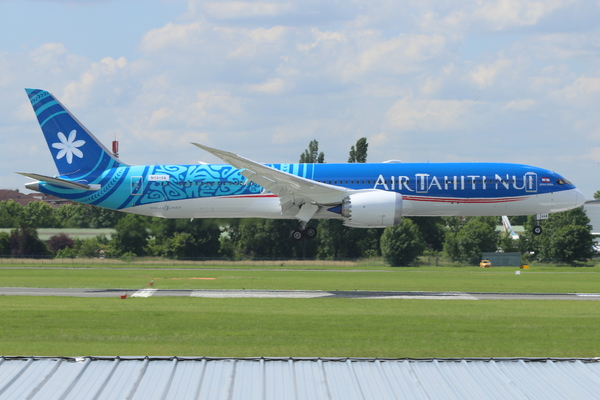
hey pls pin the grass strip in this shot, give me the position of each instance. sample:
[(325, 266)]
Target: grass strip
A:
[(556, 280), (298, 327)]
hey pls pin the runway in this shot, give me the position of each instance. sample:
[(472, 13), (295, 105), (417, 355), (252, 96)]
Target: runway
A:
[(294, 294)]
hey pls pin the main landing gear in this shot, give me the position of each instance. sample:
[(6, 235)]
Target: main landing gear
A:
[(301, 233)]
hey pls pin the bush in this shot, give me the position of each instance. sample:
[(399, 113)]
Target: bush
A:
[(402, 244), (67, 252), (60, 242)]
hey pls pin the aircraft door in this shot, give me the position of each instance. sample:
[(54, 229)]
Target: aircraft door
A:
[(137, 185), (531, 182)]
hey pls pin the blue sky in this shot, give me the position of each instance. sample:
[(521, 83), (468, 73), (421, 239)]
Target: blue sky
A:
[(423, 80)]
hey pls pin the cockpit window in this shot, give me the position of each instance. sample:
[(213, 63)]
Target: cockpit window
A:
[(563, 182)]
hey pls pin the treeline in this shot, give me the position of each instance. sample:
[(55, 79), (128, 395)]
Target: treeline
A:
[(39, 214), (566, 236)]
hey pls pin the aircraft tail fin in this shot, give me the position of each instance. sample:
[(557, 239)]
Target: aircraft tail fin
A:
[(75, 151), (508, 227)]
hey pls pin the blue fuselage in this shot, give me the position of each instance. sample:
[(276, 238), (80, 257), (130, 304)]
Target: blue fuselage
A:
[(426, 188)]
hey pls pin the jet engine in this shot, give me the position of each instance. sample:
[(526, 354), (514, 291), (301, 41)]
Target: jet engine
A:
[(372, 209)]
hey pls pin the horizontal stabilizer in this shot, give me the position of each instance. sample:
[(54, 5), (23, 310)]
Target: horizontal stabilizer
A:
[(59, 181)]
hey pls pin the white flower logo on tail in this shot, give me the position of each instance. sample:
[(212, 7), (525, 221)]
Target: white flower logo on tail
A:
[(68, 147)]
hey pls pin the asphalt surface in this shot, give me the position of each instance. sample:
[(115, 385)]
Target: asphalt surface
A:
[(298, 294)]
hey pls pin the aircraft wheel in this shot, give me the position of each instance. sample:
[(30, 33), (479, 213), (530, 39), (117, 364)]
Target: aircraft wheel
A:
[(296, 235), (310, 233), (537, 230)]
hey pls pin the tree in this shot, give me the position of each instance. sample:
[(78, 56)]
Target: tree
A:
[(312, 155), (336, 241), (59, 242), (10, 214), (432, 231), (597, 195), (556, 241), (570, 244), (4, 244), (39, 215), (402, 244), (358, 154), (201, 237), (87, 216), (24, 241), (266, 238), (476, 236), (181, 245), (91, 247), (131, 235)]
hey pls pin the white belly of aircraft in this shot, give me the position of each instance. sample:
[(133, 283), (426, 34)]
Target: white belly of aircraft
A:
[(268, 206), (214, 207)]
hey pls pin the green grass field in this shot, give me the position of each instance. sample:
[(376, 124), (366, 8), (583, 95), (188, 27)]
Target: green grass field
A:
[(465, 279), (56, 326), (292, 327)]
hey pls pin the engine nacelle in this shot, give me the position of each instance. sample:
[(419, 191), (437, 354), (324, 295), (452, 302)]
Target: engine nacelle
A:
[(372, 209)]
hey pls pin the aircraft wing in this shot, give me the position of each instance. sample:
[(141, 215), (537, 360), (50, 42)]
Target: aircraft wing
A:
[(292, 190)]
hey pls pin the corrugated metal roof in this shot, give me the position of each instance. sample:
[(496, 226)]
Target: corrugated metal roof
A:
[(183, 378)]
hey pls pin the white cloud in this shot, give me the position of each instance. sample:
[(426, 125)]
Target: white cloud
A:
[(93, 82), (251, 42), (173, 35), (431, 86), (239, 75), (322, 37), (272, 86), (244, 9), (502, 14), (399, 54), (583, 88), (519, 105), (407, 114), (485, 75), (460, 17)]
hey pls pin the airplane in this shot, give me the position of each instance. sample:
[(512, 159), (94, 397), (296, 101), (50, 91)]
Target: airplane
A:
[(508, 228), (369, 195)]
